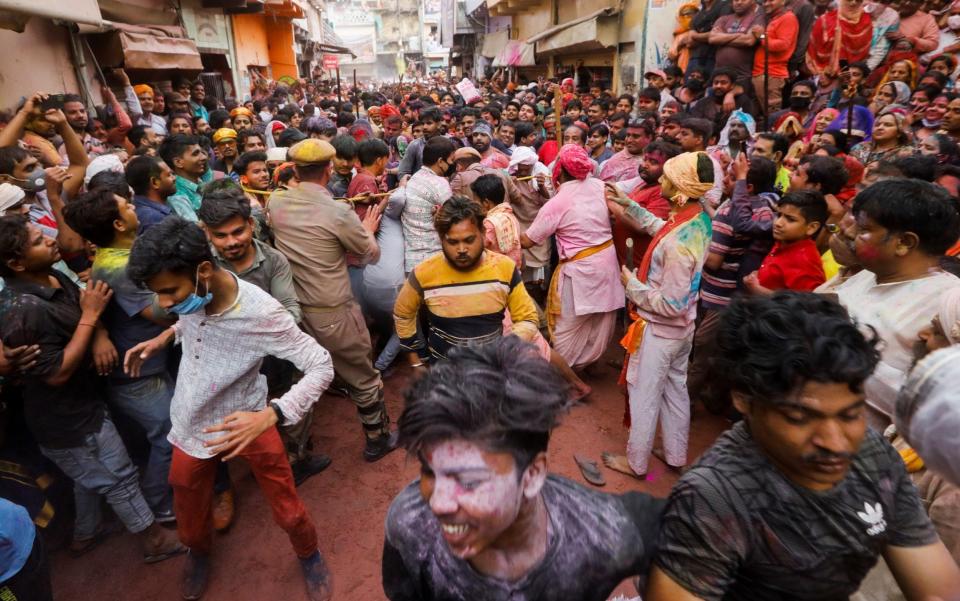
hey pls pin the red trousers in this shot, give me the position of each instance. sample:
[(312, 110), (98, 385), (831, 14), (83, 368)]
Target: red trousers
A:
[(192, 482)]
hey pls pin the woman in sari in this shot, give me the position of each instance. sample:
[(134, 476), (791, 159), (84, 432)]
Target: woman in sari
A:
[(891, 140), (841, 34), (889, 94)]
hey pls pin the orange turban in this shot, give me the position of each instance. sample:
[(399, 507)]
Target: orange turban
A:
[(142, 88)]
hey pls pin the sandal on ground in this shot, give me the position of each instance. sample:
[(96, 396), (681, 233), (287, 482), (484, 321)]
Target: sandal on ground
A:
[(590, 470)]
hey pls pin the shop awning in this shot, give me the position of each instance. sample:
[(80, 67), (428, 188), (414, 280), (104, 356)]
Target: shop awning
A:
[(494, 42), (75, 11), (147, 48), (597, 31)]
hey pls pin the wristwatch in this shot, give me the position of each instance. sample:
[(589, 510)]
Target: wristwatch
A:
[(276, 409)]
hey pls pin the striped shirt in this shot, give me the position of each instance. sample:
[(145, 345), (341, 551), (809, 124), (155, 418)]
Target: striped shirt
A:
[(742, 229), (462, 307)]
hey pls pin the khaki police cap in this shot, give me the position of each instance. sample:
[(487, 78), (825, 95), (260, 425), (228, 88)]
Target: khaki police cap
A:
[(311, 151)]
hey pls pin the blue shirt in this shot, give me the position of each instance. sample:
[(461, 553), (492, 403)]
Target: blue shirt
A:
[(16, 538), (149, 213)]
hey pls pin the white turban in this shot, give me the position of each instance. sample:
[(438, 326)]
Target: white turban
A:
[(104, 162), (950, 314), (10, 196), (928, 412)]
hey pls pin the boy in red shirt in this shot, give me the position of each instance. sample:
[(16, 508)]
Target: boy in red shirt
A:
[(794, 262)]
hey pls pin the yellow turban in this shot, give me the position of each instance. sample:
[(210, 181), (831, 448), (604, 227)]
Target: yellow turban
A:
[(241, 110), (685, 172)]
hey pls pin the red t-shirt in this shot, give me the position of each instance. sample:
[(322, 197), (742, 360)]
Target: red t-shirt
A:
[(650, 199), (793, 266), (782, 40)]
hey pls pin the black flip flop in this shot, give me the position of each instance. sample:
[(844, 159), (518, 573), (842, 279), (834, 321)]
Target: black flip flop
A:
[(590, 470)]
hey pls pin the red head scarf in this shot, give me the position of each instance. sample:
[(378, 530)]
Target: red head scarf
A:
[(575, 161), (388, 110)]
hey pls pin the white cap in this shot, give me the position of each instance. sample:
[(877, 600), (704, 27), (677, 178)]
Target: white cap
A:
[(277, 153), (10, 196)]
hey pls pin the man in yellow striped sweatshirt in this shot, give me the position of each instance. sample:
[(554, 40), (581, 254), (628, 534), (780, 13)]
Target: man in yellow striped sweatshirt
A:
[(465, 291)]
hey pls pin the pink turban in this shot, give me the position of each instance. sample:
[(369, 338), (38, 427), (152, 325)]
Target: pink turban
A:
[(575, 161)]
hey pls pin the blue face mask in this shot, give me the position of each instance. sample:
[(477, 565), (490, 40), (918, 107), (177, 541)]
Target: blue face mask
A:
[(194, 302)]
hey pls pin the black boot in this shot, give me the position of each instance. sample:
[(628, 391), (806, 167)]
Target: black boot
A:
[(379, 447), (308, 466), (195, 574)]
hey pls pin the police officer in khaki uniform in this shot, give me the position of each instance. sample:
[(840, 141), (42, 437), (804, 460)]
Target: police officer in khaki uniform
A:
[(315, 232)]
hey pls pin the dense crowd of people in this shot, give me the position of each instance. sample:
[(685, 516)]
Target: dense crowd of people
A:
[(769, 227)]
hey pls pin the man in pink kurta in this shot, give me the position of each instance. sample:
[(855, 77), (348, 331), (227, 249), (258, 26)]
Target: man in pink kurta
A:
[(625, 164), (588, 290)]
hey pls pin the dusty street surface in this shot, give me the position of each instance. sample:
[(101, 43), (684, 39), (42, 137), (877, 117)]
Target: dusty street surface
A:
[(348, 502)]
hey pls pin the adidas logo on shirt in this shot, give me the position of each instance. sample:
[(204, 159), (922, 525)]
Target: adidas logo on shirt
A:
[(873, 516)]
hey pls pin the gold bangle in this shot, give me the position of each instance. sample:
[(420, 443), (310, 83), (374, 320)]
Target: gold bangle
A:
[(416, 365)]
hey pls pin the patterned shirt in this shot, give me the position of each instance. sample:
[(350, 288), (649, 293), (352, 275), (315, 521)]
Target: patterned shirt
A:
[(737, 529), (667, 301), (742, 229), (220, 370), (415, 204)]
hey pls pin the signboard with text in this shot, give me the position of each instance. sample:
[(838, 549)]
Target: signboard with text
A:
[(331, 62)]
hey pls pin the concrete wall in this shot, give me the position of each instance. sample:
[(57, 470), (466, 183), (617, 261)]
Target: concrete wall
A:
[(37, 60)]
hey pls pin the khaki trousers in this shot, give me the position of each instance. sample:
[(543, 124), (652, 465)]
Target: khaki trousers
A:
[(342, 331)]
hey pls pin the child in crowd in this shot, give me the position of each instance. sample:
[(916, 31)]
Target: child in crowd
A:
[(794, 262)]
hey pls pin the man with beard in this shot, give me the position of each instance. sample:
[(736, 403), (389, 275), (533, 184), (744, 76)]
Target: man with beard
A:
[(648, 196), (148, 118), (154, 192), (242, 118), (480, 139), (251, 141), (462, 293), (229, 225), (950, 124), (412, 160), (142, 136), (486, 520), (722, 87), (799, 499), (626, 163), (225, 143)]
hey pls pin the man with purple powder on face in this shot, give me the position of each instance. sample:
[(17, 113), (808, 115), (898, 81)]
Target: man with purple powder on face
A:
[(486, 520)]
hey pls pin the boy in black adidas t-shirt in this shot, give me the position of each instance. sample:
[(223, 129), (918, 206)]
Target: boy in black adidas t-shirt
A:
[(800, 499)]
